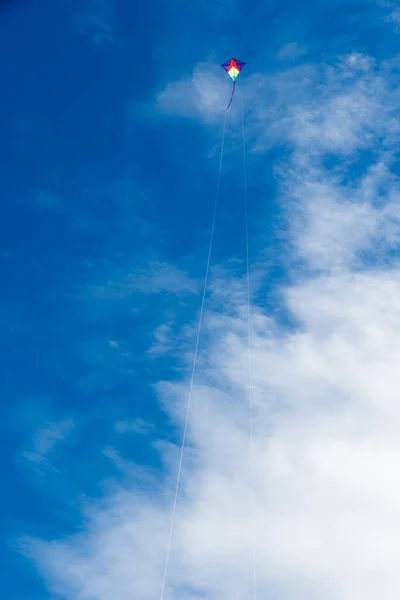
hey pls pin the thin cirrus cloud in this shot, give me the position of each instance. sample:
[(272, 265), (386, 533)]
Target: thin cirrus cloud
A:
[(326, 416), (157, 277), (45, 442), (96, 19), (136, 426)]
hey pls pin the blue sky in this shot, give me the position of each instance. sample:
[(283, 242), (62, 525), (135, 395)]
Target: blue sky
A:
[(111, 125)]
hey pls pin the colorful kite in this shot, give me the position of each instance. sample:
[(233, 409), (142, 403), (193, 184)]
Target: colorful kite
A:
[(233, 68)]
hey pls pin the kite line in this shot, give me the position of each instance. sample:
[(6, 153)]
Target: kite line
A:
[(249, 366), (196, 349), (233, 68)]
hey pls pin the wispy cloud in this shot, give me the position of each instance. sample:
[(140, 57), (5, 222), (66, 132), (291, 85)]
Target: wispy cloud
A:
[(45, 442), (96, 19), (138, 426), (162, 341), (158, 277), (291, 51), (393, 10), (200, 96)]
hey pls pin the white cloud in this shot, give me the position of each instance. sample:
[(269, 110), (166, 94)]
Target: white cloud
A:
[(164, 277), (156, 278), (327, 453), (337, 222), (393, 14), (339, 108), (138, 426), (45, 441), (162, 341), (291, 51), (203, 95), (327, 417)]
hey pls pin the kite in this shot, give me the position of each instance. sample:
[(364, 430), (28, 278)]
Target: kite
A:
[(233, 68)]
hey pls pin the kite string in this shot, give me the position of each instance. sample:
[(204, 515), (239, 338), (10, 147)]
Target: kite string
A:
[(189, 401), (249, 345)]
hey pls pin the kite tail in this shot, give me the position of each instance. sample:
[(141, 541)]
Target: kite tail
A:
[(230, 101)]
